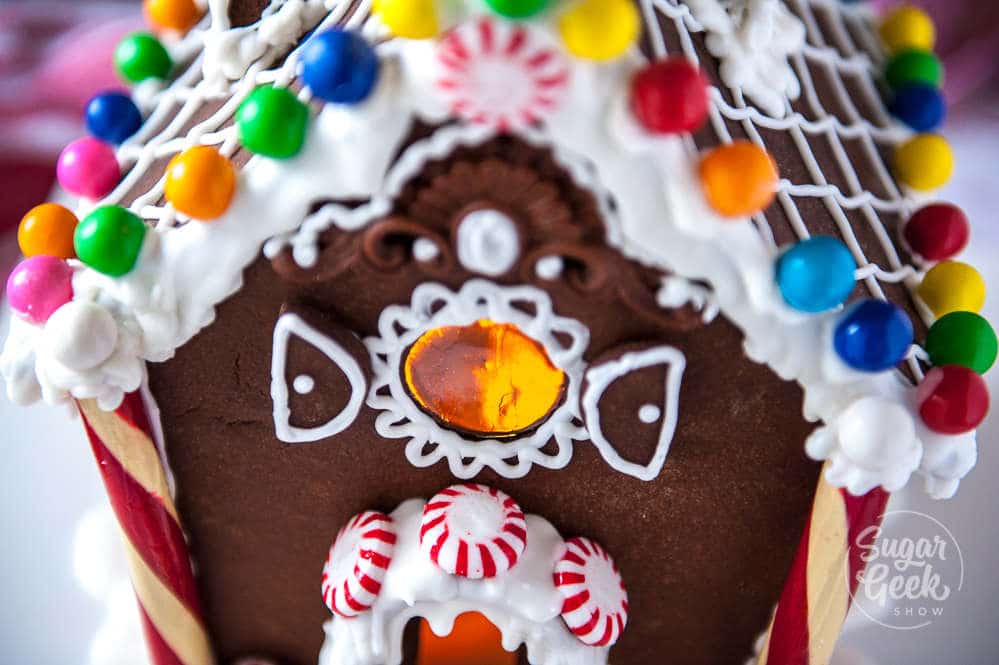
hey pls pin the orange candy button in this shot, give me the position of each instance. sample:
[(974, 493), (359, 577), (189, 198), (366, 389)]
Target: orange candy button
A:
[(739, 179), (487, 378), (200, 183), (47, 230), (179, 15)]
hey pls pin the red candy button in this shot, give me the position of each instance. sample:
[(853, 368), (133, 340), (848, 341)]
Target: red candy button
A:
[(357, 562), (937, 232), (473, 531), (670, 97), (953, 399), (595, 606)]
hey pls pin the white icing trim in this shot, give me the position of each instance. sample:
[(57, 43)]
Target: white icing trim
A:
[(599, 378), (487, 242), (292, 324), (433, 306), (522, 603)]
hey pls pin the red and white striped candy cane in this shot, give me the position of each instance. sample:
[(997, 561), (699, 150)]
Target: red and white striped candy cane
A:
[(159, 563), (473, 531), (818, 591), (358, 560), (595, 602)]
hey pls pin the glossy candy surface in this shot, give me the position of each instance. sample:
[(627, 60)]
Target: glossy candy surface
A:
[(739, 179), (142, 56), (109, 240), (953, 286), (600, 29), (670, 96), (340, 66), (925, 162), (937, 232), (817, 274), (272, 122), (88, 168), (38, 286), (200, 183), (962, 338), (873, 336), (920, 106), (953, 399), (112, 117), (47, 229)]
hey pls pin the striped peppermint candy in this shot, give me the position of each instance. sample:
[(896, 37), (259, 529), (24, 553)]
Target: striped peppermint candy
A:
[(356, 565), (473, 531), (595, 606), (500, 74)]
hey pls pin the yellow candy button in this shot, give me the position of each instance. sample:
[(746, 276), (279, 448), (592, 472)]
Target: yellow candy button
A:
[(953, 286), (409, 19), (200, 182), (924, 162), (907, 28), (600, 29)]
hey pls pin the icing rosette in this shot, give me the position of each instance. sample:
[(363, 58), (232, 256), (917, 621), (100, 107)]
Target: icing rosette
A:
[(596, 603), (473, 531), (357, 562)]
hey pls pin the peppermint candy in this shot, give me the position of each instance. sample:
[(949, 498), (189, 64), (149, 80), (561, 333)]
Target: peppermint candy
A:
[(473, 531), (500, 75), (595, 605), (357, 562)]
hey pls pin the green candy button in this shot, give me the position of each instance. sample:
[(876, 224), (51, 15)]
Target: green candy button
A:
[(109, 240), (272, 122), (141, 56), (962, 338), (517, 8), (914, 66)]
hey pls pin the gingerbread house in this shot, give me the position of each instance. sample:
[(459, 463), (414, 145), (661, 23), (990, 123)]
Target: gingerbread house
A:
[(559, 332)]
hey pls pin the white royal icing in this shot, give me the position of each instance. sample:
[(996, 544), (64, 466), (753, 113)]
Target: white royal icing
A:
[(599, 378), (488, 242), (292, 325), (522, 603), (660, 217)]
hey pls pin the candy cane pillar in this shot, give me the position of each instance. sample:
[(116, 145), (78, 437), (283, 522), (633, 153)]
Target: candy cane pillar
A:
[(823, 577), (159, 563)]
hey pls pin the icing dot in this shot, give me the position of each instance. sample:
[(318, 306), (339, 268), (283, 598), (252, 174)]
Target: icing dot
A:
[(739, 179), (488, 242), (81, 335), (88, 168), (112, 117), (817, 274), (38, 286), (952, 399), (873, 336), (908, 27), (600, 29), (303, 384), (875, 433), (425, 250), (272, 122), (670, 96), (924, 162), (179, 15), (109, 240), (141, 56), (649, 413), (953, 286), (962, 338), (340, 67), (409, 19), (937, 232), (200, 183), (549, 267), (47, 229)]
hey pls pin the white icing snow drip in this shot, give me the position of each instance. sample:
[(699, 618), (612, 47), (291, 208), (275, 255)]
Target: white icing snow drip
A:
[(522, 603), (660, 218)]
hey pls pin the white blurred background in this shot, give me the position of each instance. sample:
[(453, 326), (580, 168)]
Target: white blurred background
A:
[(48, 480)]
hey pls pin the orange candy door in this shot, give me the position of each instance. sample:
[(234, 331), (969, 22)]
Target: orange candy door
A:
[(474, 641)]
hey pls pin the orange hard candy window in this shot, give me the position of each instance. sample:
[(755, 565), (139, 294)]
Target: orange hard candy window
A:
[(488, 379)]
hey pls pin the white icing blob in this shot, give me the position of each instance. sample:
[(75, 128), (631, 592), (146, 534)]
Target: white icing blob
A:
[(649, 413), (550, 267), (488, 242), (522, 603), (81, 335), (425, 250), (303, 384)]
